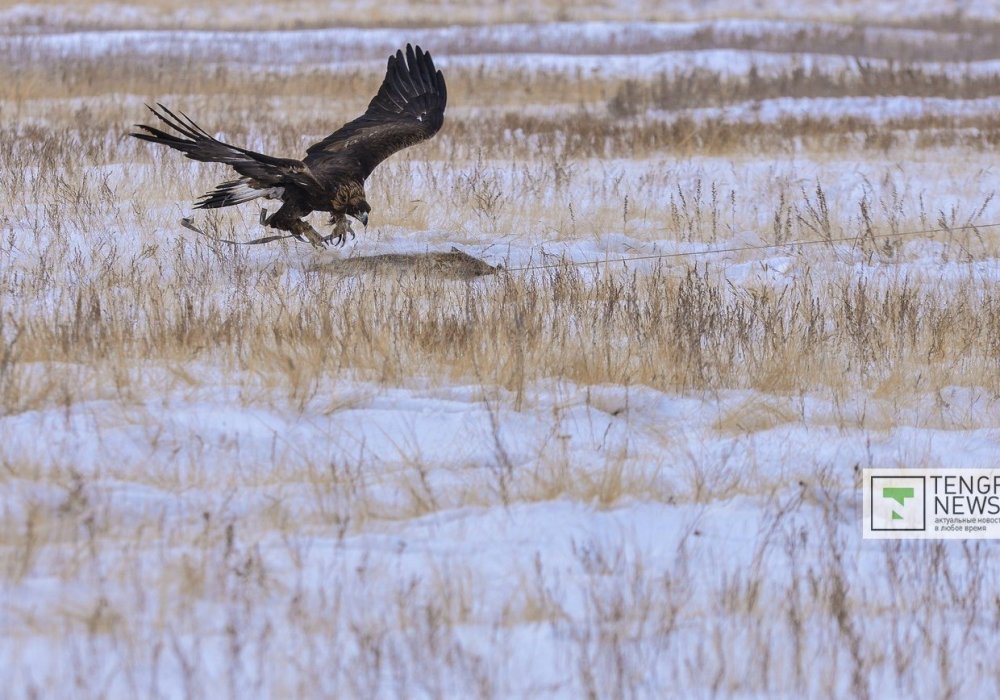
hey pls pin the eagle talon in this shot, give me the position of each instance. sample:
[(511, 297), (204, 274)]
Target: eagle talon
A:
[(339, 236)]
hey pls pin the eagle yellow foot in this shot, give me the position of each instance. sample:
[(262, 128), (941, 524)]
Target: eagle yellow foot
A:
[(339, 235)]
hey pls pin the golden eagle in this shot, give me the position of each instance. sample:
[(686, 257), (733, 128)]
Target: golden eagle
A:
[(408, 108)]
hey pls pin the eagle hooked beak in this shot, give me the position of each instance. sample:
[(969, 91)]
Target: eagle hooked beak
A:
[(362, 217)]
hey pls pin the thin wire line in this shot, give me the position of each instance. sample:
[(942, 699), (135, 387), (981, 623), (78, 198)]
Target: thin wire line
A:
[(771, 246)]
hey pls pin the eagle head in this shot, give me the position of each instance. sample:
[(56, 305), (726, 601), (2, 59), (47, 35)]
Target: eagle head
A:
[(359, 208)]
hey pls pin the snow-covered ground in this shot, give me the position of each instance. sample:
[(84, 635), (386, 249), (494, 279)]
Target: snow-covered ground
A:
[(245, 543), (615, 48), (677, 582), (261, 518)]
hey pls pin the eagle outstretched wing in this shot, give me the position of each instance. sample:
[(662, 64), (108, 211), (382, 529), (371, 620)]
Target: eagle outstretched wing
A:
[(197, 144), (408, 108)]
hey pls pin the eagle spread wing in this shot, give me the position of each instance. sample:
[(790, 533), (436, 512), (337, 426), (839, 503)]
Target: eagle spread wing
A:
[(408, 108), (197, 144)]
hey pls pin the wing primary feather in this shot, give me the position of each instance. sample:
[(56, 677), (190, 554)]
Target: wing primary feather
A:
[(173, 122), (396, 92), (392, 85), (430, 72), (403, 75), (197, 129), (394, 96), (425, 69), (413, 70), (396, 80), (427, 72), (162, 116)]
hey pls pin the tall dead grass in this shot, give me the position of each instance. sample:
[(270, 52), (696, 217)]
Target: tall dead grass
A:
[(672, 330)]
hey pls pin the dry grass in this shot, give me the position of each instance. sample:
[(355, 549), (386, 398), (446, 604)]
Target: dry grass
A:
[(855, 15), (703, 87), (582, 118), (674, 330), (196, 560)]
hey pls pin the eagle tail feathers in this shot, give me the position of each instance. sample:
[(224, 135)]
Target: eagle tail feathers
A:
[(190, 138), (198, 144), (234, 192)]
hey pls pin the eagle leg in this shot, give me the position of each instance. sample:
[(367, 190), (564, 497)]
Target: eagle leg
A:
[(340, 230), (286, 219)]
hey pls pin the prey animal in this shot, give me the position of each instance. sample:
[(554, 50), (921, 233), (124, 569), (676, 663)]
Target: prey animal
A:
[(408, 108)]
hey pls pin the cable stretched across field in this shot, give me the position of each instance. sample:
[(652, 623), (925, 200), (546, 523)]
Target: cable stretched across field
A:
[(738, 249)]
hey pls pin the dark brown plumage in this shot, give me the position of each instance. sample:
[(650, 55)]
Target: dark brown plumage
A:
[(408, 108)]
